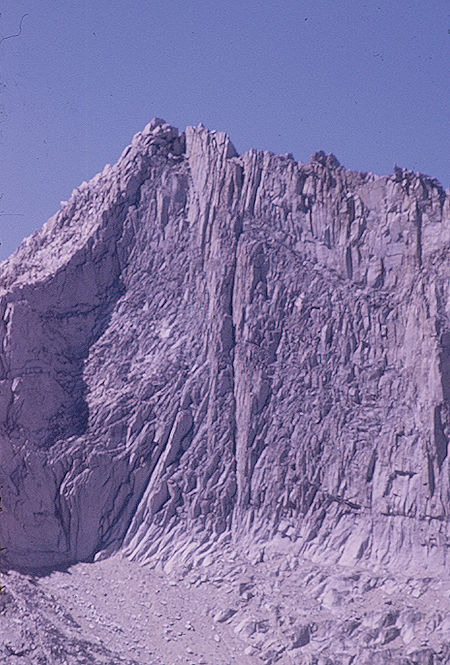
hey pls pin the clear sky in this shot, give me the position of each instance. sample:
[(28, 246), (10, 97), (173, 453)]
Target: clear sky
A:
[(368, 81)]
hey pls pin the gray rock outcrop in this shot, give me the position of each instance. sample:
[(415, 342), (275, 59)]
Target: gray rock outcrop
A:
[(201, 344), (203, 348)]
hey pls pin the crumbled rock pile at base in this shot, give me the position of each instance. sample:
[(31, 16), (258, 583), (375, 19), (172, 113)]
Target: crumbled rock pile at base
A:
[(204, 352)]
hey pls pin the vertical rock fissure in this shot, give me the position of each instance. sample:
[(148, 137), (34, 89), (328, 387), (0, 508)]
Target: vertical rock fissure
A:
[(233, 346)]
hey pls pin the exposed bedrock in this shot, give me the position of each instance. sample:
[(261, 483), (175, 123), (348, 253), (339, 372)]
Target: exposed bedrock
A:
[(201, 346)]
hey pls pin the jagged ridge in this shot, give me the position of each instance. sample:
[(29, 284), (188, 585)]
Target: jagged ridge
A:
[(201, 347)]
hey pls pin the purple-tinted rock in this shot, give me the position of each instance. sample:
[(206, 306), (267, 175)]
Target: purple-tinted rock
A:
[(202, 344)]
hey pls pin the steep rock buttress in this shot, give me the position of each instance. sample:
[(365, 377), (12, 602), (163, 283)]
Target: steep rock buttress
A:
[(202, 347)]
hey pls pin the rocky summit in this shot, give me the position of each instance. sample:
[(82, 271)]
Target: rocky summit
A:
[(229, 372)]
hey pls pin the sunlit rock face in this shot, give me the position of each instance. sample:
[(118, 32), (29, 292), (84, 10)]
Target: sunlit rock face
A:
[(204, 348)]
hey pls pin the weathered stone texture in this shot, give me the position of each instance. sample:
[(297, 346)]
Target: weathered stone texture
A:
[(201, 346)]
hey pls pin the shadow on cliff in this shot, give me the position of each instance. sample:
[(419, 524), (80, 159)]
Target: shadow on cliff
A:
[(72, 418)]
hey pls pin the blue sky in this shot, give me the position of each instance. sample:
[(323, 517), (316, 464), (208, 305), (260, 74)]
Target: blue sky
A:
[(368, 81)]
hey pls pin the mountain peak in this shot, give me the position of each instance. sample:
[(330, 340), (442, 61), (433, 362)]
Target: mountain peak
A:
[(205, 352)]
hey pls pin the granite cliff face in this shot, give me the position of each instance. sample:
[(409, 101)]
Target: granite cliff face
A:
[(202, 349)]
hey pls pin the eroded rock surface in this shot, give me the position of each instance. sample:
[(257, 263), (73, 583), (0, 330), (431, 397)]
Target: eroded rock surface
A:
[(204, 350)]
